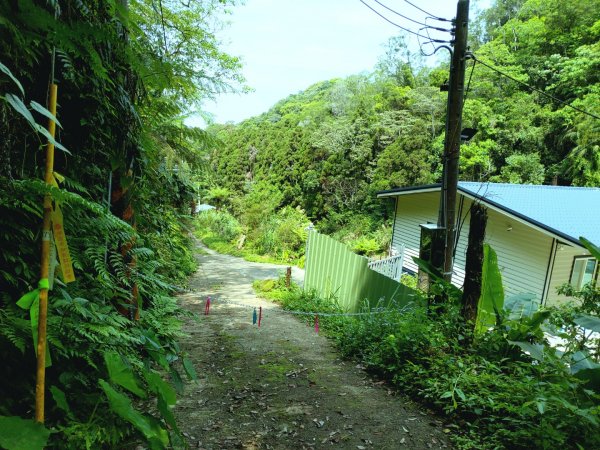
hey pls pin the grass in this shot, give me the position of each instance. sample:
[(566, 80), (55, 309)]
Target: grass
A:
[(218, 244), (493, 396)]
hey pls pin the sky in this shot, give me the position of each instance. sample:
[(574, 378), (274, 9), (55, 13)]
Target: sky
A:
[(288, 45)]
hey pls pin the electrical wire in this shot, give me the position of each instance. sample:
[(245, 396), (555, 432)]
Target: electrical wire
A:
[(421, 44), (412, 20), (469, 82), (399, 26), (539, 91), (441, 19)]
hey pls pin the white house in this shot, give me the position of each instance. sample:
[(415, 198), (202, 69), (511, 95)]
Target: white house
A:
[(534, 230)]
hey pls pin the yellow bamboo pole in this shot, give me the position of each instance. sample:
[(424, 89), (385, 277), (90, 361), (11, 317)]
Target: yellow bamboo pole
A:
[(40, 385)]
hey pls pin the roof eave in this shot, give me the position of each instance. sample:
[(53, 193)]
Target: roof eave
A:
[(532, 222), (474, 196), (409, 190)]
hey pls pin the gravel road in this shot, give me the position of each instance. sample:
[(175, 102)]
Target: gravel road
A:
[(281, 386)]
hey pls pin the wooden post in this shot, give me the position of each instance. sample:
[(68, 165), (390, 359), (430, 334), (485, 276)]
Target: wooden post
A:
[(448, 195), (288, 277), (40, 384), (474, 263)]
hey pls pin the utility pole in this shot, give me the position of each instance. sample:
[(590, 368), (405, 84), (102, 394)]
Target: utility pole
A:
[(447, 216)]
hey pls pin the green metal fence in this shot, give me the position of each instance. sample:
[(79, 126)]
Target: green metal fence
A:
[(332, 269)]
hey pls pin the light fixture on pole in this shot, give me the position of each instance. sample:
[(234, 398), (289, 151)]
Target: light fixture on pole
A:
[(467, 134)]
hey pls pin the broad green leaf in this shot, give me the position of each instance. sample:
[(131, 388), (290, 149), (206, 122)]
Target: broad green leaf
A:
[(150, 340), (588, 322), (436, 275), (167, 415), (7, 71), (582, 360), (22, 434), (43, 111), (160, 387), (20, 107), (176, 380), (521, 305), (429, 269), (593, 249), (492, 291), (537, 319), (188, 366), (121, 405), (60, 399), (581, 412), (159, 358), (536, 351), (46, 133), (541, 405), (122, 374), (591, 376)]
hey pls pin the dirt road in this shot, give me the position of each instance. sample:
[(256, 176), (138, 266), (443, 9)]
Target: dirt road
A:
[(281, 386)]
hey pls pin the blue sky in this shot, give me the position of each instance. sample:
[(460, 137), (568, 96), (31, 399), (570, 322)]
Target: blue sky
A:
[(288, 45)]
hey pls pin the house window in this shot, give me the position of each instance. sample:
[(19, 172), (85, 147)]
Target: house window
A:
[(584, 269)]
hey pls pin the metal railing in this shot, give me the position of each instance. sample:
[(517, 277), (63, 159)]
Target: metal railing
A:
[(390, 267)]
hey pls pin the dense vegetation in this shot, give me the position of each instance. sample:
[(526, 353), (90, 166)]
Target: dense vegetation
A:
[(503, 387), (328, 149), (127, 74)]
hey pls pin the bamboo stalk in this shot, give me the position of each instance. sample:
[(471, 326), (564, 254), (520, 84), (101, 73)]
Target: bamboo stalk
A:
[(40, 385)]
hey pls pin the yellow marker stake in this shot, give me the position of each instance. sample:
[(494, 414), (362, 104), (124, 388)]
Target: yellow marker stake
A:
[(61, 245), (40, 385)]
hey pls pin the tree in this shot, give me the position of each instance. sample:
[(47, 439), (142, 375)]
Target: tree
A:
[(522, 169)]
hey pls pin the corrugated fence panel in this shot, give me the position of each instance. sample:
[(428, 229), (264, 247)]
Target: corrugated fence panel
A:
[(332, 269)]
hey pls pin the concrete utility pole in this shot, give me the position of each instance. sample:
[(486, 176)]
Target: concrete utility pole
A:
[(447, 217)]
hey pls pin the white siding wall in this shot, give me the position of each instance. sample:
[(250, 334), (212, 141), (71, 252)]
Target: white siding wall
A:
[(523, 252), (412, 211), (561, 272)]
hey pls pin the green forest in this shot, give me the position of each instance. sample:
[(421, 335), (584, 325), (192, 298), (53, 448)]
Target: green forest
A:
[(128, 73), (325, 151), (128, 172)]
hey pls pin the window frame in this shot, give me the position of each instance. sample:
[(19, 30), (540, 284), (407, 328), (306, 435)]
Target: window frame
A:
[(577, 258)]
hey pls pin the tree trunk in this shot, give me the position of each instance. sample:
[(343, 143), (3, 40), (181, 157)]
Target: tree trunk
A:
[(472, 289)]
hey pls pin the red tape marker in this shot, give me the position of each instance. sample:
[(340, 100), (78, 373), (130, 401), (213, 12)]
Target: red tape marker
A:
[(207, 306), (259, 315)]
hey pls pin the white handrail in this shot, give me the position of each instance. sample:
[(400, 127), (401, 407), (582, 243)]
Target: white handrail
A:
[(390, 267)]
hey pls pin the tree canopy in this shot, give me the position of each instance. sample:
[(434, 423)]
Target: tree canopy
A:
[(330, 147)]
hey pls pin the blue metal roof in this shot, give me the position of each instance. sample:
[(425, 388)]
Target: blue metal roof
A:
[(565, 211), (569, 212)]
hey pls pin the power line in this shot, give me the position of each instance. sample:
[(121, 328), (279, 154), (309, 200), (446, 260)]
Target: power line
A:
[(401, 27), (421, 44), (412, 20), (556, 99), (441, 19), (469, 82)]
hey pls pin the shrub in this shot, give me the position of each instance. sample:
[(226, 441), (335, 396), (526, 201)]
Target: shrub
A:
[(499, 396), (365, 246), (283, 235), (220, 223)]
